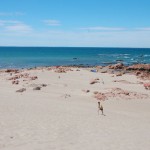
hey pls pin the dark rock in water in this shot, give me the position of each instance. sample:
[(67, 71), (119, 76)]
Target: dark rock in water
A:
[(75, 58), (37, 88), (21, 90)]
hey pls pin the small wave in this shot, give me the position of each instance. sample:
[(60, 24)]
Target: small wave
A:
[(146, 55), (126, 57)]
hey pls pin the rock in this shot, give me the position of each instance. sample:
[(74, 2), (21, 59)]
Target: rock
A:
[(117, 66), (139, 67), (137, 73), (34, 78), (97, 79), (15, 82), (147, 86), (93, 81), (119, 74), (95, 92), (100, 96), (43, 85), (21, 90), (86, 91), (12, 71), (37, 88)]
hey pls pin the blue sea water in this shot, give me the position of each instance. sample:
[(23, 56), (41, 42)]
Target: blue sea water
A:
[(27, 57)]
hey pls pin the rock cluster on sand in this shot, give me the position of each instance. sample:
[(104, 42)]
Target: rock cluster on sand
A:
[(119, 93), (12, 71), (60, 69), (145, 67), (24, 76)]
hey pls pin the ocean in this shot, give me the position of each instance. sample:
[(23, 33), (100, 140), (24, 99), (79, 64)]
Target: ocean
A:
[(28, 57)]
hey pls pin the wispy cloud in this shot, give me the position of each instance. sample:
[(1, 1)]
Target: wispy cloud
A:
[(14, 26), (6, 22), (143, 29), (52, 22), (99, 28), (19, 28), (12, 14)]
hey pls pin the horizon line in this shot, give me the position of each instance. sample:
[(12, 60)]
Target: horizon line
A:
[(78, 47)]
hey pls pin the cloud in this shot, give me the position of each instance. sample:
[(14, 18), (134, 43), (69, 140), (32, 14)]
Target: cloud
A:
[(12, 14), (19, 28), (52, 22), (102, 28), (20, 34), (143, 29), (14, 26), (6, 22)]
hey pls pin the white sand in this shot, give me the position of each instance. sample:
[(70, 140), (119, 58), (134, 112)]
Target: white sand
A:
[(46, 120)]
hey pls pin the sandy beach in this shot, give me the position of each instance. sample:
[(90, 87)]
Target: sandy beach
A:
[(58, 110)]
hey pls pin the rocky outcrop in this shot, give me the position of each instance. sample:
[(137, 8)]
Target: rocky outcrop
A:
[(142, 67), (119, 93), (117, 66), (12, 71)]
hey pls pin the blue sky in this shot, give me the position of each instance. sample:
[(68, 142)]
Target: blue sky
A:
[(99, 23)]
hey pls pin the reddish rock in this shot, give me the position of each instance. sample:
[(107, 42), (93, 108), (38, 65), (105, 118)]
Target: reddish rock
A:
[(116, 66), (12, 71), (100, 96), (137, 73), (119, 74), (139, 67), (147, 86)]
